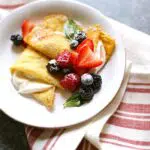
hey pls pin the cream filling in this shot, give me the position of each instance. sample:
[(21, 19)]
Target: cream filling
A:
[(25, 86), (101, 53)]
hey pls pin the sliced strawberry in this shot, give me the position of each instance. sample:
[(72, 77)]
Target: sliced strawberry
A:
[(86, 42), (74, 57), (84, 54), (26, 27), (88, 59), (80, 71)]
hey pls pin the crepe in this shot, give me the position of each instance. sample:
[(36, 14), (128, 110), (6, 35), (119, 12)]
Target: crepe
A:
[(33, 66), (47, 42), (48, 38), (46, 97), (55, 22), (96, 33)]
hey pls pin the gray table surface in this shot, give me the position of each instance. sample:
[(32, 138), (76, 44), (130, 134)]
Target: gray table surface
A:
[(135, 13)]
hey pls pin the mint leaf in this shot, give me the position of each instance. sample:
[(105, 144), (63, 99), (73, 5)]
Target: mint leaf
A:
[(70, 29), (74, 101)]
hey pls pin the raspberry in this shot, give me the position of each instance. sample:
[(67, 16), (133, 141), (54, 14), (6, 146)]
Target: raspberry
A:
[(70, 81), (63, 59)]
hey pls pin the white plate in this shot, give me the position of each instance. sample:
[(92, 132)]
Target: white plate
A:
[(29, 111)]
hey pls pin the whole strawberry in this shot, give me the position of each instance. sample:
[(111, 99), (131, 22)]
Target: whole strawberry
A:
[(70, 81)]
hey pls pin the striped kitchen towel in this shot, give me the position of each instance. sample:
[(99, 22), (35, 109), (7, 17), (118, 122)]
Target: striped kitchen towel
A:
[(128, 127)]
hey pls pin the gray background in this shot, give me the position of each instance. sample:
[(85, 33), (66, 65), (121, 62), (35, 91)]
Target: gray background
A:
[(135, 13)]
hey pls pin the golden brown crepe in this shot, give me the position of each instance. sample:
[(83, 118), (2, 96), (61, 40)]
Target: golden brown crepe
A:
[(46, 97), (96, 33), (48, 38), (47, 42), (33, 66), (55, 22)]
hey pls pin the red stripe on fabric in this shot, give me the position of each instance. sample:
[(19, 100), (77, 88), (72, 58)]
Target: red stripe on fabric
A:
[(35, 133), (11, 6), (135, 108), (50, 138), (132, 116), (121, 145), (134, 83), (138, 90), (57, 138), (110, 136), (127, 123)]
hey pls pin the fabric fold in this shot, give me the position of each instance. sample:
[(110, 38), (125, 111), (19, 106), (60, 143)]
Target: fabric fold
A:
[(129, 126), (98, 123)]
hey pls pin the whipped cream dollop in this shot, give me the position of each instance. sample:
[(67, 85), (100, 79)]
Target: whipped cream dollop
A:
[(100, 52), (25, 86)]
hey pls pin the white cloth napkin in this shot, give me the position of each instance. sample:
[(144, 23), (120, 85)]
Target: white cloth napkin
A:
[(138, 51)]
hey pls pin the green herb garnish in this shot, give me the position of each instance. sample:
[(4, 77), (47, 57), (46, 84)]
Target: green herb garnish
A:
[(70, 29), (74, 101)]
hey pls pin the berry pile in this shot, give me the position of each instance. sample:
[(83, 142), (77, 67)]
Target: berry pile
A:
[(75, 66), (90, 84), (61, 64)]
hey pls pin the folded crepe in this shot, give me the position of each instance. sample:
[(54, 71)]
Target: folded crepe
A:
[(48, 38), (96, 33), (33, 66), (43, 93), (46, 97), (47, 42)]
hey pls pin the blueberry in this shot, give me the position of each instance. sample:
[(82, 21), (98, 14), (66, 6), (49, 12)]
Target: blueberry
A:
[(52, 66), (97, 82), (87, 79), (16, 39), (86, 93), (80, 36), (74, 44), (66, 70)]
